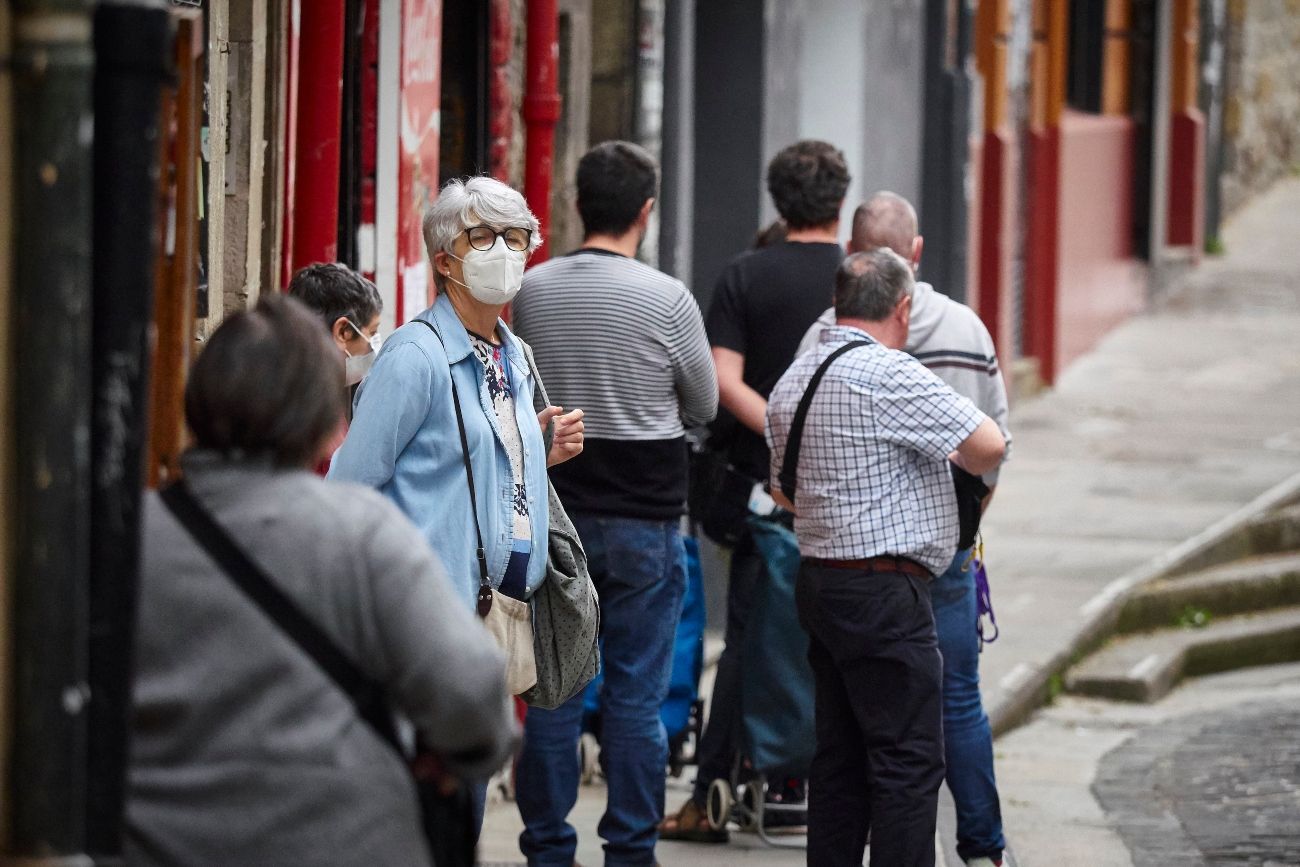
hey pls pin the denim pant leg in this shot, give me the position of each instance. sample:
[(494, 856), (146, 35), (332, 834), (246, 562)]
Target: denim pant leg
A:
[(546, 782), (639, 570), (968, 740), (720, 739)]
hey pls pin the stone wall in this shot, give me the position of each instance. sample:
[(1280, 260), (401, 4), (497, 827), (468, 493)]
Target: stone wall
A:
[(1262, 111)]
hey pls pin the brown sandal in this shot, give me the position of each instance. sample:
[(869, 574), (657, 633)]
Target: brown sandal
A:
[(690, 824)]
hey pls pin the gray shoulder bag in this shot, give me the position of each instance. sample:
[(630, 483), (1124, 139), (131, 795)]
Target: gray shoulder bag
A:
[(566, 609)]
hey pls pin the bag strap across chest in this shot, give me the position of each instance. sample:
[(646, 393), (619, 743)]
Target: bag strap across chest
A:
[(484, 602), (794, 442)]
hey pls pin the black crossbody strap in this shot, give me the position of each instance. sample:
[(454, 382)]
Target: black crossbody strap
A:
[(790, 462), (368, 696), (484, 583)]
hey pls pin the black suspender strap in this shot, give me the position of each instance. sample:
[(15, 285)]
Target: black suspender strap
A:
[(790, 461), (484, 603), (367, 695)]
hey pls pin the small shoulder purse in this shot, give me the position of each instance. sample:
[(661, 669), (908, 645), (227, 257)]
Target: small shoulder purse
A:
[(566, 609)]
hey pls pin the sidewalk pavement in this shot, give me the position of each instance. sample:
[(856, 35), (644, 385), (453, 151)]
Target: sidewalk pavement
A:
[(1177, 420)]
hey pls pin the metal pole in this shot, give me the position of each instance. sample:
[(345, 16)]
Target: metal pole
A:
[(52, 70), (677, 195), (132, 63), (1160, 121), (649, 116)]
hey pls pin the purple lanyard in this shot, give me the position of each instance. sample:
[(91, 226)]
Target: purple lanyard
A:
[(983, 599)]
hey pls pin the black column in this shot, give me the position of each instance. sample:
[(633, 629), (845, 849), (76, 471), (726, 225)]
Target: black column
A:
[(53, 135), (132, 60), (945, 145), (729, 75)]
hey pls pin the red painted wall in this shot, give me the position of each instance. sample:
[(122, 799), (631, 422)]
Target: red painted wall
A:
[(999, 172), (1099, 283), (1042, 253), (1186, 181)]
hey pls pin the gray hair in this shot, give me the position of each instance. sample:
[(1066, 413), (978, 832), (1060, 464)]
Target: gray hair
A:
[(479, 200), (870, 285), (885, 220)]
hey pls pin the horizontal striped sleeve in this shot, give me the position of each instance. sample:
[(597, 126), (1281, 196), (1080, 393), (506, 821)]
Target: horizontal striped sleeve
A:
[(621, 341)]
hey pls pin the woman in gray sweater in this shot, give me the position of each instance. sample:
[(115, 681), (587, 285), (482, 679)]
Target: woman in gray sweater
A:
[(243, 750)]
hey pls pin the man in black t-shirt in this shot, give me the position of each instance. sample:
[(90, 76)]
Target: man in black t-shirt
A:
[(763, 303)]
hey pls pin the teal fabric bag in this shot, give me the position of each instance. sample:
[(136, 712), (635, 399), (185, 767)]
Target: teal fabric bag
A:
[(777, 699)]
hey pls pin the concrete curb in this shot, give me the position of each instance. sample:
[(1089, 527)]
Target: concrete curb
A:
[(1100, 615)]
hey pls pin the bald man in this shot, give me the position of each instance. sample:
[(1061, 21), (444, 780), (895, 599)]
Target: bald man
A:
[(949, 338)]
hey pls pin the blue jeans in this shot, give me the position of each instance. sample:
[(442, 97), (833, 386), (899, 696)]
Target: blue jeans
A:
[(968, 740), (638, 567)]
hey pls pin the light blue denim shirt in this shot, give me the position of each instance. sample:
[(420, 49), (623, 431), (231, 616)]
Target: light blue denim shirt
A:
[(404, 442)]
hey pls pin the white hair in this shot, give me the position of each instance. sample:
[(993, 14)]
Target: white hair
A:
[(475, 201)]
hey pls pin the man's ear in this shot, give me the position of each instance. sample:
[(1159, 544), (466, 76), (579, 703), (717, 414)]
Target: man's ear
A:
[(643, 218), (917, 244), (341, 331), (904, 310)]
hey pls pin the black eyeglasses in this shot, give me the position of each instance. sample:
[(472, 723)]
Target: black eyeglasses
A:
[(482, 238)]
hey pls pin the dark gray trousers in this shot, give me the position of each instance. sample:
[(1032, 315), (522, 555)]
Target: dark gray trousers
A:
[(878, 676)]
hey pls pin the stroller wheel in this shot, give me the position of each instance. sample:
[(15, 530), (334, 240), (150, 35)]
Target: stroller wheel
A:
[(751, 805), (718, 808), (589, 757)]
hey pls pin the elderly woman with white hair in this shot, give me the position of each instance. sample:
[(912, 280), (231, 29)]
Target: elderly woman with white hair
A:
[(405, 439), (457, 366), (443, 424)]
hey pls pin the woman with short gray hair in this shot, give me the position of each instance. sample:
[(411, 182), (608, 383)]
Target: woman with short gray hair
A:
[(405, 439), (455, 384)]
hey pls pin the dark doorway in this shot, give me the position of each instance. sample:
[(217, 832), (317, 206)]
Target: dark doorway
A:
[(729, 74), (463, 146), (351, 170), (1142, 87)]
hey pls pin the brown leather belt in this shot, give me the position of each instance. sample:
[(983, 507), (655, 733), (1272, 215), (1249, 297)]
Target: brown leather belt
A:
[(887, 563)]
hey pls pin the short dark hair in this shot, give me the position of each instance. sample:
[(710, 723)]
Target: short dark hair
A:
[(333, 290), (870, 285), (269, 382), (615, 179), (807, 182)]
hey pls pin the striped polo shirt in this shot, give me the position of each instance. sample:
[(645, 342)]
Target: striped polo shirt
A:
[(625, 343)]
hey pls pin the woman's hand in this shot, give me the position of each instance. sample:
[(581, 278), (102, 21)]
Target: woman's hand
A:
[(567, 441)]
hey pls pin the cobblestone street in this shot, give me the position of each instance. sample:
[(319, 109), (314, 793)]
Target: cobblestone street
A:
[(1209, 776), (1217, 788)]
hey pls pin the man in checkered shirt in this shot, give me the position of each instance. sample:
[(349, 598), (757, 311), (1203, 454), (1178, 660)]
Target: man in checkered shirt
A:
[(876, 518)]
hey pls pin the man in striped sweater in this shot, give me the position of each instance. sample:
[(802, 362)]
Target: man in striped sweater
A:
[(627, 344)]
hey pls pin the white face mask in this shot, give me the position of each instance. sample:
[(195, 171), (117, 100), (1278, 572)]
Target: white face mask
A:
[(355, 367), (492, 276)]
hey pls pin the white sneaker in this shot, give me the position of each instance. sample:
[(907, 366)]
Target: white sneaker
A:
[(983, 862)]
